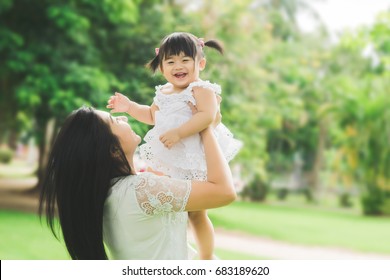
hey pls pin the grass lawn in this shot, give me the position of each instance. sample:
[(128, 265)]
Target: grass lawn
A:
[(306, 225), (22, 237)]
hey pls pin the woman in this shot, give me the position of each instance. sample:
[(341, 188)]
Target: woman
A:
[(91, 181)]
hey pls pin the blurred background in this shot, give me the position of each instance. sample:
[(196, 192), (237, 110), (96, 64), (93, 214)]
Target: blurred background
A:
[(305, 86)]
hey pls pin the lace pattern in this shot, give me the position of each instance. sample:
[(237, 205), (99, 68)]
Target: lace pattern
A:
[(160, 195)]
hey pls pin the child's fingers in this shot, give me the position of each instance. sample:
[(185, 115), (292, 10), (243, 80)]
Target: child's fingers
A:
[(110, 100), (164, 140), (110, 105)]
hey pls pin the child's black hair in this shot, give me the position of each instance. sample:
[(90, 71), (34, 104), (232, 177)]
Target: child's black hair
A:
[(178, 42)]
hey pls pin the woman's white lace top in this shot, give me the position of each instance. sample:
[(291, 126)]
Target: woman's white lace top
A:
[(186, 159), (144, 218)]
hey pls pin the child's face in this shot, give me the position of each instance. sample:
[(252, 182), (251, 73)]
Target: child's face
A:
[(181, 70)]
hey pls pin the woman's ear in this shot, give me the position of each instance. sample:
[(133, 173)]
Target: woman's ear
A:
[(202, 64), (115, 152)]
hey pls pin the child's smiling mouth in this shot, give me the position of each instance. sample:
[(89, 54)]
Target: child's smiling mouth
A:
[(180, 75)]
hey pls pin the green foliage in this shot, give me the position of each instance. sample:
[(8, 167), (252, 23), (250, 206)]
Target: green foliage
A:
[(5, 155), (386, 205), (372, 202), (257, 189), (362, 108), (56, 59), (345, 200), (282, 193)]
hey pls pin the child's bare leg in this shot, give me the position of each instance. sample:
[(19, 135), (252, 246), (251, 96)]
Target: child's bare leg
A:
[(204, 233)]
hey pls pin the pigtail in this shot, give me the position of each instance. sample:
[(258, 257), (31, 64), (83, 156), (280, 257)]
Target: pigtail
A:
[(215, 45), (153, 64)]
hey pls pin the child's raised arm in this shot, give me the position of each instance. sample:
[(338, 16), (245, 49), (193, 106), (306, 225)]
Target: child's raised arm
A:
[(119, 103), (207, 108)]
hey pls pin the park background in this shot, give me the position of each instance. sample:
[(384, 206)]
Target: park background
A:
[(310, 103)]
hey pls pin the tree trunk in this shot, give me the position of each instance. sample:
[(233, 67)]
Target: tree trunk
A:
[(13, 139), (313, 177), (44, 149), (8, 110)]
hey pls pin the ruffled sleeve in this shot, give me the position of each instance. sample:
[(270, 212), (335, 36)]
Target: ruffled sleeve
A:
[(159, 195), (156, 100), (203, 84), (206, 84)]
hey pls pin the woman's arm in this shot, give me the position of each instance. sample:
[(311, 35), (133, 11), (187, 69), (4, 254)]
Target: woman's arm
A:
[(218, 190), (119, 103)]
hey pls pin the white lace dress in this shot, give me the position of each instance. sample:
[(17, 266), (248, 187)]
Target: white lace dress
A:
[(144, 218), (186, 159)]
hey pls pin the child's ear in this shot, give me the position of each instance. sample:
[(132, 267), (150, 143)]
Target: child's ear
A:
[(202, 64)]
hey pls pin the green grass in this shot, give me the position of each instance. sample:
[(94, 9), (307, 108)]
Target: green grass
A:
[(306, 225), (22, 237)]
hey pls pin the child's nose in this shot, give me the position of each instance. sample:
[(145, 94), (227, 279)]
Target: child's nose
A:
[(178, 65)]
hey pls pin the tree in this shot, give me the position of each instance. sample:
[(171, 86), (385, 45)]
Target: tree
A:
[(362, 106), (53, 61)]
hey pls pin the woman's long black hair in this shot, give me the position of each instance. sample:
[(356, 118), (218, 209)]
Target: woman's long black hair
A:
[(84, 159), (178, 42)]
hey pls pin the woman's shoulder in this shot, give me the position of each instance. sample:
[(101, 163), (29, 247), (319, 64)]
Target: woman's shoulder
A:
[(131, 181), (205, 84)]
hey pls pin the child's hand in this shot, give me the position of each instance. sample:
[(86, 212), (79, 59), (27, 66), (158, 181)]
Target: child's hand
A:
[(119, 103), (170, 138)]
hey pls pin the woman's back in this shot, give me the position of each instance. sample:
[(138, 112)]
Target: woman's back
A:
[(144, 218)]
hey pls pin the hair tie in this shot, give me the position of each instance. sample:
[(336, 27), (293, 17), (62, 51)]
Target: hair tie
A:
[(157, 51), (201, 42)]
